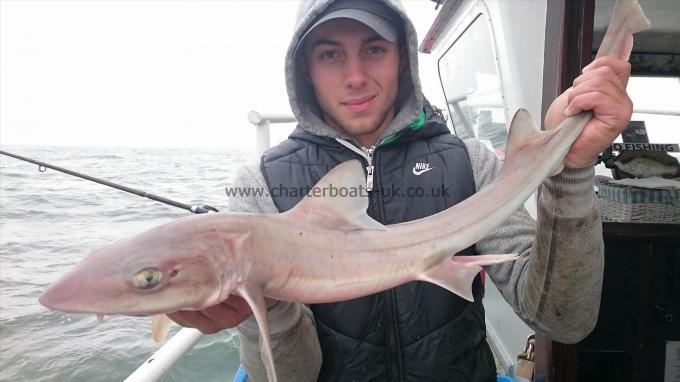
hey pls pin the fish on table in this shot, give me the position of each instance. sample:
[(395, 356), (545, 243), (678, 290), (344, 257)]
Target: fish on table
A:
[(641, 167), (324, 249)]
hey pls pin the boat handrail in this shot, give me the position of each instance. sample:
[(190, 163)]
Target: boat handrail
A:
[(166, 357), (262, 122), (666, 112)]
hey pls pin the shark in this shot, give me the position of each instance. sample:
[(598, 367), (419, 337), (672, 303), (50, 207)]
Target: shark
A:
[(326, 248)]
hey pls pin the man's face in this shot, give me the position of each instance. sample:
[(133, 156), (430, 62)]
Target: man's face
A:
[(355, 75)]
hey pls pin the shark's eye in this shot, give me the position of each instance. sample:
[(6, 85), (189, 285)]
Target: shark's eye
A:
[(146, 278)]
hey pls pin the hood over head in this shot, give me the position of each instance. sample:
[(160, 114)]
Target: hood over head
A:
[(393, 19)]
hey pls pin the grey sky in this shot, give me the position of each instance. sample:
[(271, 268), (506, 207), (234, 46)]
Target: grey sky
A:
[(146, 73), (173, 73)]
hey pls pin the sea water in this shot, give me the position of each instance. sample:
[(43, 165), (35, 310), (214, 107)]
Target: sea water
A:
[(50, 220)]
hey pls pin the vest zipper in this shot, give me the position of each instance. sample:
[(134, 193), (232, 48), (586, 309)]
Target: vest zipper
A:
[(366, 153), (393, 343), (369, 168)]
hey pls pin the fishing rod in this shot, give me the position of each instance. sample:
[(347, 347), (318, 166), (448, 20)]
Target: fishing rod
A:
[(42, 167), (182, 342)]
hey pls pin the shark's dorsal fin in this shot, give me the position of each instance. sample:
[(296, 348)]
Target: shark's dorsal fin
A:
[(338, 201), (524, 132)]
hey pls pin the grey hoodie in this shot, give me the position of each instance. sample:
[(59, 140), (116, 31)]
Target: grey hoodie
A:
[(301, 97), (554, 286)]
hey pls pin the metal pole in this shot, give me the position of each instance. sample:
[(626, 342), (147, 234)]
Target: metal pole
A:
[(262, 122), (657, 111), (262, 138), (256, 118), (466, 123), (165, 358)]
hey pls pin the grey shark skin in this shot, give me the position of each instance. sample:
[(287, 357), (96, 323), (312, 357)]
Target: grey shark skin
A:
[(325, 249)]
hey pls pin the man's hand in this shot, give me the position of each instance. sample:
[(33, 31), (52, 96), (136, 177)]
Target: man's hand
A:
[(600, 88), (224, 315)]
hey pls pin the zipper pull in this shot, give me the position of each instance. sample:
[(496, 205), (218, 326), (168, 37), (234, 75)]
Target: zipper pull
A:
[(369, 168), (366, 153), (369, 178)]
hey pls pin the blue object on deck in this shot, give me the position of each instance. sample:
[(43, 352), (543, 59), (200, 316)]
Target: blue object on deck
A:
[(504, 378), (241, 374)]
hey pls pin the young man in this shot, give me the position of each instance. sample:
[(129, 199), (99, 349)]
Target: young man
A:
[(352, 77)]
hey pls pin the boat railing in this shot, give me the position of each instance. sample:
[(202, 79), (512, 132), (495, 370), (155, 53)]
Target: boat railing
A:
[(666, 112), (262, 122), (166, 357)]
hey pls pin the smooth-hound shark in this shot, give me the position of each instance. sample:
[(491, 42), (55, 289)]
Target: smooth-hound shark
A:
[(325, 249)]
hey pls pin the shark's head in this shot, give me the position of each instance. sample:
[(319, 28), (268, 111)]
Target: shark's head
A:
[(188, 264)]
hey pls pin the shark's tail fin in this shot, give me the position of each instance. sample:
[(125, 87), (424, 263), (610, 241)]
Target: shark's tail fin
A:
[(627, 18)]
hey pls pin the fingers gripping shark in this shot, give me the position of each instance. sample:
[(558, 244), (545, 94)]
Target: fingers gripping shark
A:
[(325, 249)]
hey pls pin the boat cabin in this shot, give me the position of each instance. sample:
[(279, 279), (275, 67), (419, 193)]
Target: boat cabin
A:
[(495, 57)]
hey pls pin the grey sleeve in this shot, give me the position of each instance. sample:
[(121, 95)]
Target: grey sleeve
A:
[(556, 283), (297, 354)]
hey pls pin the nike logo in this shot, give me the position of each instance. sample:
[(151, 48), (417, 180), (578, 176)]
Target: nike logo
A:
[(420, 168)]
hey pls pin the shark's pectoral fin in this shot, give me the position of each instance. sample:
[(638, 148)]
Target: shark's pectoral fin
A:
[(255, 299), (457, 273), (160, 327), (338, 201)]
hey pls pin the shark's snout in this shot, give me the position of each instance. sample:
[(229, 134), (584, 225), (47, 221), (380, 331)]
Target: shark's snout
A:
[(81, 290), (63, 296)]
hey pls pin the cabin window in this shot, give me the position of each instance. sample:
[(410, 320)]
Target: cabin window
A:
[(656, 105), (472, 87), (654, 85)]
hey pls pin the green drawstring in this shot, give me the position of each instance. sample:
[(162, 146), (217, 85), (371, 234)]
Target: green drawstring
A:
[(415, 125)]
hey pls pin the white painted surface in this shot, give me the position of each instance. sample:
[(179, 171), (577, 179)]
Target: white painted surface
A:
[(518, 30), (160, 363)]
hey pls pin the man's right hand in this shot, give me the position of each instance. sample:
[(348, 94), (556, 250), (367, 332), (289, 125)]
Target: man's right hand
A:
[(224, 315)]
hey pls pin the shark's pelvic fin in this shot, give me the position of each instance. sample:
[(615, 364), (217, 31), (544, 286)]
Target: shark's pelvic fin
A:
[(338, 201), (453, 277), (255, 299), (457, 273), (483, 260), (160, 327)]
